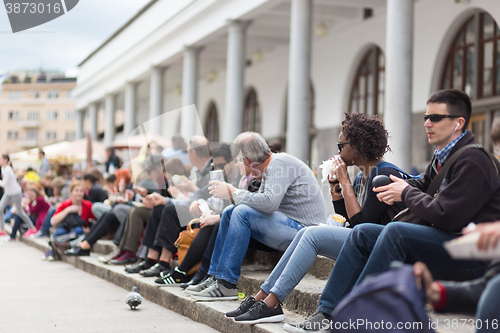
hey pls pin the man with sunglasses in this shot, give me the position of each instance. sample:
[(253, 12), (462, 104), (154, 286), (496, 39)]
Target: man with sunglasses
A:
[(470, 191)]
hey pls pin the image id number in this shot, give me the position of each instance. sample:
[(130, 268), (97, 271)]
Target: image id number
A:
[(33, 8)]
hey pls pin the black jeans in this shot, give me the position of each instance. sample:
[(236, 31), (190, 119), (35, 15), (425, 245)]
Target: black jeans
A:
[(170, 226), (100, 229), (148, 239)]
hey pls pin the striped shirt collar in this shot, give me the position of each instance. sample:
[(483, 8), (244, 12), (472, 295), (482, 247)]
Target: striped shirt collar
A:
[(442, 154)]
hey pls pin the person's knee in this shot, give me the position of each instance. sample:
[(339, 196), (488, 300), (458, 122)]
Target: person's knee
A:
[(364, 233), (395, 230), (241, 215), (242, 210)]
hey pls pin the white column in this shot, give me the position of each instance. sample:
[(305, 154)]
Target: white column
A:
[(129, 108), (93, 120), (155, 100), (398, 71), (80, 117), (297, 137), (109, 119), (235, 80), (189, 91)]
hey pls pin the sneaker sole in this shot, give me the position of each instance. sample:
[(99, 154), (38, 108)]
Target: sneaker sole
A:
[(292, 329), (190, 292), (273, 319), (168, 285), (209, 298)]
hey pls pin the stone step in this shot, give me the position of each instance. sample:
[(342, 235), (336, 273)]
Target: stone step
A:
[(303, 300)]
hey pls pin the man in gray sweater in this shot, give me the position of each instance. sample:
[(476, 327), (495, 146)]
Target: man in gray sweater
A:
[(289, 198)]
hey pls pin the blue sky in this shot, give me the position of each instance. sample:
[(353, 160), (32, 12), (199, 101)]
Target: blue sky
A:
[(64, 42)]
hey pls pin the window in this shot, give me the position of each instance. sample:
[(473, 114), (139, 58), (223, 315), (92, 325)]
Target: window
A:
[(461, 68), (212, 124), (13, 115), (251, 112), (33, 115), (68, 94), (472, 65), (12, 135), (367, 93), (15, 94), (53, 94), (33, 94), (51, 135), (31, 134), (70, 115), (51, 115), (69, 136)]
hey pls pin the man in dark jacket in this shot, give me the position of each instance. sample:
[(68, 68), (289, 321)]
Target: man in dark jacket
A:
[(113, 159), (93, 191), (469, 192)]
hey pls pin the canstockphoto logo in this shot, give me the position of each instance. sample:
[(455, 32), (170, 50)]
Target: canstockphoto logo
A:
[(26, 14)]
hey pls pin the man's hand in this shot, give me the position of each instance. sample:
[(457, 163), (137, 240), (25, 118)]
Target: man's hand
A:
[(174, 191), (194, 208), (209, 219), (423, 278), (148, 202), (221, 190), (490, 234), (157, 199), (391, 193), (140, 190)]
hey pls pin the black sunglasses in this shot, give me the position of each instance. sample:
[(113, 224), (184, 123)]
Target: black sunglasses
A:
[(340, 145), (435, 117)]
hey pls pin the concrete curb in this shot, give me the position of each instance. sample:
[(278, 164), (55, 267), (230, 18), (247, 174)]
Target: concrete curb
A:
[(303, 299)]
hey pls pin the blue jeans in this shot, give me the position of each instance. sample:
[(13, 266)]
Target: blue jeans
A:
[(45, 229), (488, 308), (300, 255), (237, 225), (63, 231), (370, 248)]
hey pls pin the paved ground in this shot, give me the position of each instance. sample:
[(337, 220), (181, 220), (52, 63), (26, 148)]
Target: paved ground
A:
[(39, 296)]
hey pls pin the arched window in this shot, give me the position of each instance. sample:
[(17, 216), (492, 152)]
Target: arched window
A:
[(212, 123), (251, 113), (367, 93), (461, 66), (473, 66)]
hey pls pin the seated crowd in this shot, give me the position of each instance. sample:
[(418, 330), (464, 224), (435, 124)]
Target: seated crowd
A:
[(273, 201)]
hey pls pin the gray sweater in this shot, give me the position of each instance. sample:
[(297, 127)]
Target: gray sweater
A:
[(288, 186)]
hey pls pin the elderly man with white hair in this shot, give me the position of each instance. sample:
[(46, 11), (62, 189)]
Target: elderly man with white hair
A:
[(289, 198)]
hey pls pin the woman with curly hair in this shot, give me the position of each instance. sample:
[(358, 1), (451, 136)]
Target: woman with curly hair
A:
[(363, 143)]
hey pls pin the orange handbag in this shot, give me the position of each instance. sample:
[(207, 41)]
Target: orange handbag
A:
[(184, 241)]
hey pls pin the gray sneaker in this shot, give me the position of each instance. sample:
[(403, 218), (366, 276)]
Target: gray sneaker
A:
[(317, 322), (216, 292), (200, 286)]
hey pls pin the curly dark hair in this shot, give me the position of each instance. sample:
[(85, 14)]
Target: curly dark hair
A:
[(366, 135)]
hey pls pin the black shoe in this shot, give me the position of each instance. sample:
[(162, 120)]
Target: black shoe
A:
[(171, 278), (245, 305), (77, 251), (152, 272), (261, 313), (137, 267), (197, 278)]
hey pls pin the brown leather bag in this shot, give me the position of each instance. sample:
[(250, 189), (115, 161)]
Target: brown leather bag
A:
[(184, 241)]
